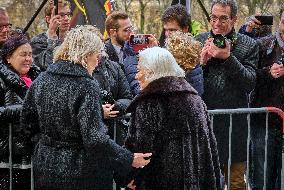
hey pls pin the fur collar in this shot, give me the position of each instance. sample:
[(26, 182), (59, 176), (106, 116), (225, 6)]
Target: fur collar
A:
[(162, 87)]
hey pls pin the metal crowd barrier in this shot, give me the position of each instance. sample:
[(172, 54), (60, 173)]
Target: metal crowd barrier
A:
[(212, 113), (250, 111), (10, 165)]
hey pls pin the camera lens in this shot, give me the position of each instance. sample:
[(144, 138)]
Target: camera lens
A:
[(219, 41)]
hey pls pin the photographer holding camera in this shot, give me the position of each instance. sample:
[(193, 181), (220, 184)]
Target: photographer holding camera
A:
[(269, 91), (257, 26), (229, 77)]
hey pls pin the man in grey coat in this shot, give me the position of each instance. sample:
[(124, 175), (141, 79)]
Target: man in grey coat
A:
[(229, 77)]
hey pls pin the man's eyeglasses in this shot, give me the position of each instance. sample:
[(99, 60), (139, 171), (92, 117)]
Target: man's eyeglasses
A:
[(129, 29), (62, 15), (222, 19), (7, 26), (171, 30)]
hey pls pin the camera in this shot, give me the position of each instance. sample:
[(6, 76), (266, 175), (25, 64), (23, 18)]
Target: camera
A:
[(281, 60), (265, 20), (139, 41), (219, 41), (106, 97)]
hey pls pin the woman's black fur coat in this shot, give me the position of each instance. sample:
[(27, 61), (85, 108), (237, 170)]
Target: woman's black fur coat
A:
[(171, 121)]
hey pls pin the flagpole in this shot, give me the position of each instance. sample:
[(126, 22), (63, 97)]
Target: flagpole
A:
[(34, 16), (87, 16), (188, 6)]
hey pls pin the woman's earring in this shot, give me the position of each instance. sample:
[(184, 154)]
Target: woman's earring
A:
[(84, 63)]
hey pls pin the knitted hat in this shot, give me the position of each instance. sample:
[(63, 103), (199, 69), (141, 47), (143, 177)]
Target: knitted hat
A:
[(12, 43)]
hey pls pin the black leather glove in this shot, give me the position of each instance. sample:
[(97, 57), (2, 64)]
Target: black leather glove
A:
[(11, 113)]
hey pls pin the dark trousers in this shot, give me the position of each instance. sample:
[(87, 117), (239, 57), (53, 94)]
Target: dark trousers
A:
[(274, 159)]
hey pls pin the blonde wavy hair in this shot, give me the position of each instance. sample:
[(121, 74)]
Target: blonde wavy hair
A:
[(185, 49), (80, 42), (159, 62)]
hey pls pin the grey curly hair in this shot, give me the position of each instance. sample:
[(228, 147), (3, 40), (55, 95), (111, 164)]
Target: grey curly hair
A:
[(80, 42)]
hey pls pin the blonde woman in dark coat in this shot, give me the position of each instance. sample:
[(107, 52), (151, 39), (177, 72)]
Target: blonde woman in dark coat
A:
[(170, 120), (63, 109)]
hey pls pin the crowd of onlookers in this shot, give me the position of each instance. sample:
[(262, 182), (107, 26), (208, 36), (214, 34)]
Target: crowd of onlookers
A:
[(66, 93)]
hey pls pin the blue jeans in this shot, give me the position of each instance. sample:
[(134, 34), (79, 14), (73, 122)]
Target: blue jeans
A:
[(274, 159)]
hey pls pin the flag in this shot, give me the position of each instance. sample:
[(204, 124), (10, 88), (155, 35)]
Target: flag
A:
[(95, 12), (108, 7)]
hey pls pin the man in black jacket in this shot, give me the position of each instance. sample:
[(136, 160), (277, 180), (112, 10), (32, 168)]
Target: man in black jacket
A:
[(269, 91), (119, 28), (229, 77), (116, 97)]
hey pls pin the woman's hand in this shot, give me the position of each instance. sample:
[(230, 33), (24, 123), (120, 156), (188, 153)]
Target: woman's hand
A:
[(139, 160), (108, 113)]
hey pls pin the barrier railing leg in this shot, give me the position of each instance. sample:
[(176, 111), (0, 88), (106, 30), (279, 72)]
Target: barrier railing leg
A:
[(230, 152), (248, 152), (114, 131), (282, 170), (32, 176), (114, 138), (10, 156), (265, 152)]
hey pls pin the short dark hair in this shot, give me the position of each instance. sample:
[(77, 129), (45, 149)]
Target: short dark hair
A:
[(177, 13), (112, 20)]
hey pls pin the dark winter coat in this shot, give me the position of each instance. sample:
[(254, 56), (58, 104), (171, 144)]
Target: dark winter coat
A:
[(112, 79), (195, 79), (73, 152), (12, 93), (269, 91), (129, 65), (227, 85), (170, 120), (43, 50)]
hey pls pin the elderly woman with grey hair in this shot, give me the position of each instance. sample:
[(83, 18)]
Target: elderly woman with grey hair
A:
[(170, 120), (62, 107)]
